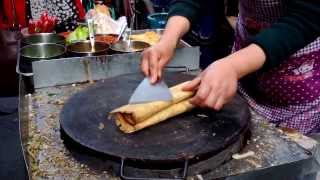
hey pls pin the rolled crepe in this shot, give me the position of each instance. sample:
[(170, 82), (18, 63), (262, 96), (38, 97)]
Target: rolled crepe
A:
[(134, 117), (149, 37)]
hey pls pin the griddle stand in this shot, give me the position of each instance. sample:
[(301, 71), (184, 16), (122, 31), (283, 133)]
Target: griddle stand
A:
[(283, 158)]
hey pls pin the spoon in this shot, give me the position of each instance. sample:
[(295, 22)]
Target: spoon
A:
[(122, 30), (130, 30), (91, 33)]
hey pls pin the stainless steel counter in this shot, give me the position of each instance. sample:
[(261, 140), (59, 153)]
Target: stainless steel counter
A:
[(274, 153), (49, 158)]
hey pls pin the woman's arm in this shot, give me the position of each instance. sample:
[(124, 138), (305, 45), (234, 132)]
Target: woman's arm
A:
[(299, 27), (182, 13), (186, 8), (217, 84), (155, 58)]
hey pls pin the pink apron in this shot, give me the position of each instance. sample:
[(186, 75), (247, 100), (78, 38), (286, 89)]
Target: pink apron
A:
[(291, 91)]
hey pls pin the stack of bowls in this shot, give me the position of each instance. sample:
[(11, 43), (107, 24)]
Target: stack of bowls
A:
[(40, 46), (36, 47), (83, 48), (51, 38)]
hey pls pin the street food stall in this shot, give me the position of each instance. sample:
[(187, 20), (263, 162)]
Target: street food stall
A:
[(66, 133), (67, 91), (52, 150)]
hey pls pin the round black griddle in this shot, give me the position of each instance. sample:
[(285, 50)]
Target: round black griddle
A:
[(191, 136)]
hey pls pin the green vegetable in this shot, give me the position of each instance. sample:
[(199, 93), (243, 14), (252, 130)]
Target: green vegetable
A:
[(79, 34), (51, 94)]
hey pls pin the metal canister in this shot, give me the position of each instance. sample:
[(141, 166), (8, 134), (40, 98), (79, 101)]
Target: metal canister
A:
[(42, 38), (36, 52)]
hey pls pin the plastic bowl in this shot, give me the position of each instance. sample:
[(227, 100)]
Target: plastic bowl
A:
[(157, 20)]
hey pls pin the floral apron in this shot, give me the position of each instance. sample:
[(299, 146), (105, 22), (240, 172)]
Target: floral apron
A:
[(291, 91)]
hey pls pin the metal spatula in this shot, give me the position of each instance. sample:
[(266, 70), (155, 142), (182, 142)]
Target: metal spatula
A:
[(147, 92)]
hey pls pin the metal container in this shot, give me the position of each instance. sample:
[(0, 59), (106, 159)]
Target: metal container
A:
[(129, 46), (83, 48), (42, 51), (43, 38), (36, 52), (160, 31), (157, 20)]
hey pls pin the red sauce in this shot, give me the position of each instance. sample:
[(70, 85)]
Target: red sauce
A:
[(109, 39)]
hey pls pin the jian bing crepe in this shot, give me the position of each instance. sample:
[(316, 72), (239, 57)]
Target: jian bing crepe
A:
[(133, 117)]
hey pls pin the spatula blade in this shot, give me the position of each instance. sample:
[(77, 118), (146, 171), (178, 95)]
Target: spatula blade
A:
[(147, 92)]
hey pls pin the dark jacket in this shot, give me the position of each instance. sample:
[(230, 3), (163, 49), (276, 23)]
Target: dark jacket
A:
[(297, 28)]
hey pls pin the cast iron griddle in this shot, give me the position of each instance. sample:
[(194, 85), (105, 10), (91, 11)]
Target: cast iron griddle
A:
[(188, 136)]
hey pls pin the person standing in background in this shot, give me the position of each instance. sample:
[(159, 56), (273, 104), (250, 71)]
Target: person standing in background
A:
[(68, 12), (212, 32)]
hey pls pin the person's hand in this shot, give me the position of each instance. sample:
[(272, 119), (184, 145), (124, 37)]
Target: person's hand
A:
[(215, 86), (155, 58)]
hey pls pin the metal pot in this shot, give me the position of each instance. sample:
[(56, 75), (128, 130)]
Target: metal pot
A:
[(36, 52), (127, 47), (41, 51), (43, 38), (83, 48)]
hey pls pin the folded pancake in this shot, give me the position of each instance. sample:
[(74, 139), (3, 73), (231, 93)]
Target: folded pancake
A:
[(149, 37), (133, 117)]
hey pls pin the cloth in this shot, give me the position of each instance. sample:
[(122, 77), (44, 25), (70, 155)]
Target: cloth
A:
[(12, 164), (212, 32), (9, 79), (128, 11), (7, 16), (232, 8), (80, 9), (288, 94)]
